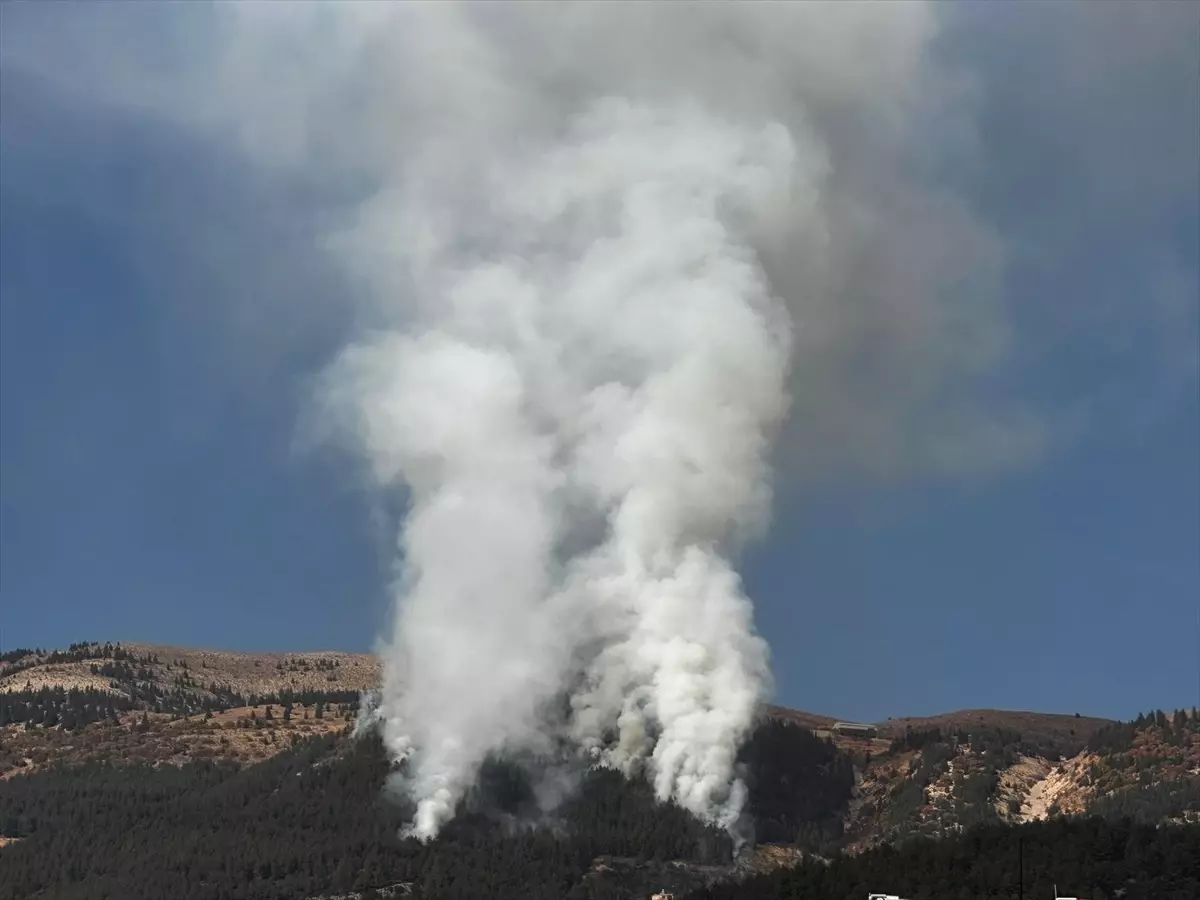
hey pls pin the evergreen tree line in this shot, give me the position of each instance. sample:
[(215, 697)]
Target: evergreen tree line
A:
[(57, 707), (1002, 746), (1120, 736), (313, 820), (16, 654), (800, 786), (1151, 802), (23, 658), (1138, 789), (307, 697), (1094, 858), (74, 708)]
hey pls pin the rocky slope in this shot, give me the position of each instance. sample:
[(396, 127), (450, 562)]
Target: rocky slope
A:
[(969, 768)]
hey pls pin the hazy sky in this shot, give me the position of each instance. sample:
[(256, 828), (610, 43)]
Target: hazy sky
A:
[(164, 308)]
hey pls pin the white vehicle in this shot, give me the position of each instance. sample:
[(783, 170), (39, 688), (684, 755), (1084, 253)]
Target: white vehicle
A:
[(1057, 896)]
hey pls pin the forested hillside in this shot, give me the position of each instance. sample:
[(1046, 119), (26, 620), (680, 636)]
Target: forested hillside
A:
[(1092, 858), (132, 771), (935, 781), (312, 820)]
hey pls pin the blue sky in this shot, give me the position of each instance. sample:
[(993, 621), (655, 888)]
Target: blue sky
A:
[(151, 485)]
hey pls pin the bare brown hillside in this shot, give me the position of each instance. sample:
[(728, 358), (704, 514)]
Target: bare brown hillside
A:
[(200, 670)]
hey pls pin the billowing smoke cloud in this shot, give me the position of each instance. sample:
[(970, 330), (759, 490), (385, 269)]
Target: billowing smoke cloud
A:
[(581, 408), (391, 119), (598, 254), (580, 364), (583, 267), (589, 234)]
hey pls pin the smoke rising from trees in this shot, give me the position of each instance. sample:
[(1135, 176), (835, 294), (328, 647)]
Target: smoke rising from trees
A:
[(607, 264), (585, 268)]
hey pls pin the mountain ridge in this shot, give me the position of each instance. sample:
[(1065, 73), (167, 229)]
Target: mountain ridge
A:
[(362, 671), (814, 793)]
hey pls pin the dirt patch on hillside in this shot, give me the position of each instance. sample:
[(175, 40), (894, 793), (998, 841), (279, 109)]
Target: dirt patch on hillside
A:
[(1063, 787), (1016, 783), (769, 857), (868, 810)]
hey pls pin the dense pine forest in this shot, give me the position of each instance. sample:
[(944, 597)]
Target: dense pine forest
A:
[(312, 821), (1093, 858)]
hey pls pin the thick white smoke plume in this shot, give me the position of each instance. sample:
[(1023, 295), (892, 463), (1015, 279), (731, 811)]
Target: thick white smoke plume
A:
[(582, 410), (578, 384), (601, 248), (595, 254)]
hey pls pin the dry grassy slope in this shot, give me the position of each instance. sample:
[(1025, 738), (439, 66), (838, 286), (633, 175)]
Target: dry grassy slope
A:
[(69, 675), (242, 734), (244, 673)]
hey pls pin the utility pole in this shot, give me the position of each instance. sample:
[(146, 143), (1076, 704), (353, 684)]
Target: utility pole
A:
[(1021, 866)]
